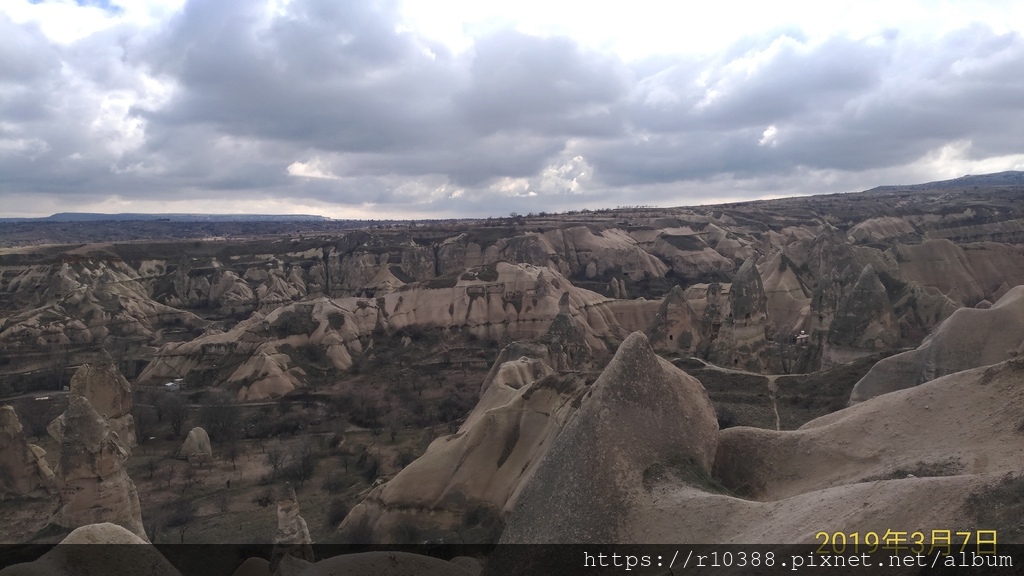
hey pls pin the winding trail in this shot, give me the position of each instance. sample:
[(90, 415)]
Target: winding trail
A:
[(771, 378)]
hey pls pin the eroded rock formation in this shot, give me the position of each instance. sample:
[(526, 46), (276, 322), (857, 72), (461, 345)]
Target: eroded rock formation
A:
[(292, 536), (467, 482), (110, 394), (865, 322), (641, 419), (196, 447), (116, 557), (93, 484), (969, 338), (23, 470)]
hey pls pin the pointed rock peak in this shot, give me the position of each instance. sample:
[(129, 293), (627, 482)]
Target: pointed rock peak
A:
[(103, 384), (866, 273), (868, 281), (79, 422), (745, 270), (564, 300), (634, 359), (292, 537), (9, 422), (642, 413), (675, 298), (747, 293), (288, 493), (564, 330)]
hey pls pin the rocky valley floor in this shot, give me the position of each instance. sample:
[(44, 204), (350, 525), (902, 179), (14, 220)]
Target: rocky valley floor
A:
[(750, 373)]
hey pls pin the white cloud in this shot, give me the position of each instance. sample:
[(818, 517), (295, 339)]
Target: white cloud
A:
[(769, 136), (352, 105), (311, 169)]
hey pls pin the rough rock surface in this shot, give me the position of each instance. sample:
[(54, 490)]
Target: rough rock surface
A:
[(969, 338), (884, 462), (383, 564), (71, 558), (747, 297), (23, 470), (292, 536), (196, 447), (865, 322), (110, 394), (93, 484), (788, 297), (532, 389), (501, 301), (480, 469), (642, 415), (676, 328)]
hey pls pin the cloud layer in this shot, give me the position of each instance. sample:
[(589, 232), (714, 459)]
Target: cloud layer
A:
[(343, 109)]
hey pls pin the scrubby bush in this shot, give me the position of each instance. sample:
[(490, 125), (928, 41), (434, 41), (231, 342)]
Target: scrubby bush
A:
[(336, 512)]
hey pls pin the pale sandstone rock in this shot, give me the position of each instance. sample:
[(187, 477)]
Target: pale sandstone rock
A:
[(292, 537), (23, 470), (93, 484), (110, 394), (641, 413), (865, 322), (676, 328), (113, 557), (969, 338), (482, 467), (196, 447)]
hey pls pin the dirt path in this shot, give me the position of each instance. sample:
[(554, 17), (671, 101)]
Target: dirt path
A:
[(771, 378)]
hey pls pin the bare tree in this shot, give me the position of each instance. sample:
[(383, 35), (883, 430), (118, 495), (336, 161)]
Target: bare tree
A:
[(394, 425), (224, 501), (275, 458), (143, 423), (232, 452), (190, 478), (181, 515), (303, 462), (59, 356), (154, 523), (176, 410), (35, 415), (151, 467), (220, 417), (169, 475)]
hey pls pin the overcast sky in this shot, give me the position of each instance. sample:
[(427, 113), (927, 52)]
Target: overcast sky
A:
[(442, 108)]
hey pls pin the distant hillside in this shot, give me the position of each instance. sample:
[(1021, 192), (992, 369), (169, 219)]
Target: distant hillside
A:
[(126, 217), (1008, 178)]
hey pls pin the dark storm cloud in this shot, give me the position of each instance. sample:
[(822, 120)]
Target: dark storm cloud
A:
[(780, 79), (543, 85), (340, 79), (375, 113), (840, 105), (47, 120), (333, 75)]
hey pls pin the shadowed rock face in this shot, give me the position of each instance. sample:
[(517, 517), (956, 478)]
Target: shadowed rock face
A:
[(23, 471), (110, 394), (196, 447), (469, 480), (747, 295), (641, 413), (676, 328), (865, 322), (115, 558), (292, 536), (94, 486), (970, 338)]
